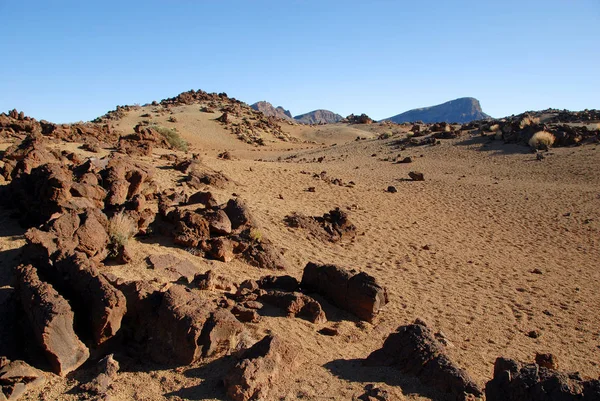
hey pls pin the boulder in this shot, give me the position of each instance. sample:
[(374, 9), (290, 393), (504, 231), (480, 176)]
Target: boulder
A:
[(189, 327), (262, 366), (175, 337), (97, 302), (220, 333), (295, 304), (264, 255), (190, 227), (218, 222), (238, 213), (51, 321), (221, 249), (358, 293), (91, 234), (414, 350)]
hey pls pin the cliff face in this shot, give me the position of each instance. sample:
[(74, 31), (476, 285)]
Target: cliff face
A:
[(461, 110), (319, 117)]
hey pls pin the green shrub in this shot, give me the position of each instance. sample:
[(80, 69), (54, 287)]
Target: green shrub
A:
[(172, 137)]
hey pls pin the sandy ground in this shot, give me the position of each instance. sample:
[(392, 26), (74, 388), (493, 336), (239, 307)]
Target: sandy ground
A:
[(457, 250)]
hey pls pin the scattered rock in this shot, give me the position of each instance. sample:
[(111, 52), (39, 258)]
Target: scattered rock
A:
[(532, 382), (392, 189)]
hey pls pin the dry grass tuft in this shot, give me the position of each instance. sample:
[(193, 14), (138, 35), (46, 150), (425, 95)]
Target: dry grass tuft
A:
[(542, 140), (121, 229)]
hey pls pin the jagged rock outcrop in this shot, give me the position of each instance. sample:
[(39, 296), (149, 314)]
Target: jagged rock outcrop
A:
[(268, 110)]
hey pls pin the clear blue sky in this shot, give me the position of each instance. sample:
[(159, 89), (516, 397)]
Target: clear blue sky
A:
[(74, 60)]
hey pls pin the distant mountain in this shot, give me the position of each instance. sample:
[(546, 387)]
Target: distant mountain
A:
[(319, 117), (268, 110), (461, 110)]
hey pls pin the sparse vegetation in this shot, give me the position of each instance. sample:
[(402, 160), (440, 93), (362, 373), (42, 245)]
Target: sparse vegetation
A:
[(542, 140), (172, 137), (385, 135), (255, 235), (121, 229)]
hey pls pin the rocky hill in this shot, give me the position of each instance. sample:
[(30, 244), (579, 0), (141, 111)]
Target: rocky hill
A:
[(461, 110), (270, 111), (319, 117)]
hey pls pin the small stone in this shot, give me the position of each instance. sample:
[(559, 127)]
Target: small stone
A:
[(392, 189), (534, 334), (416, 176)]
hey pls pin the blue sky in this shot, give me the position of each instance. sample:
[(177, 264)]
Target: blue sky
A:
[(74, 60)]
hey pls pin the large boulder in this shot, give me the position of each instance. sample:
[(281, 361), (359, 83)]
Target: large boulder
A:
[(414, 350), (358, 293), (254, 377), (189, 327), (51, 321)]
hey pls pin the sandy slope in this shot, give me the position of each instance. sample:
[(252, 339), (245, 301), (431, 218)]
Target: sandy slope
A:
[(457, 250)]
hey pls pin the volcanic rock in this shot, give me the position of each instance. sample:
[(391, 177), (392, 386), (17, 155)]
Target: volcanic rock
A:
[(51, 320), (358, 293)]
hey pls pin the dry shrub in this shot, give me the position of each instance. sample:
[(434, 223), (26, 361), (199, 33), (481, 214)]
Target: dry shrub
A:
[(120, 229), (541, 140), (528, 120)]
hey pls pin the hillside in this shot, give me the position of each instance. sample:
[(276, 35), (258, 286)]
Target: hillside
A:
[(270, 111), (319, 117), (461, 110)]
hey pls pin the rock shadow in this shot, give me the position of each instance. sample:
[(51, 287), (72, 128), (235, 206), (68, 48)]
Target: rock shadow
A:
[(496, 147), (354, 370), (212, 374)]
